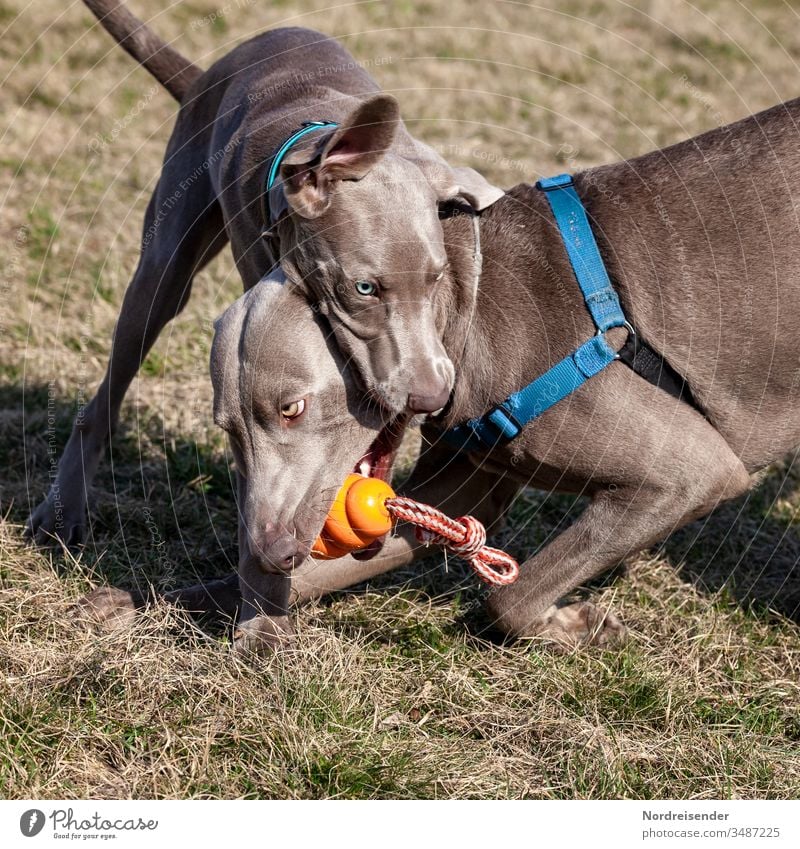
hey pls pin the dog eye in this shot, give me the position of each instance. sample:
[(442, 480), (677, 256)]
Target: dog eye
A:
[(366, 288), (293, 409)]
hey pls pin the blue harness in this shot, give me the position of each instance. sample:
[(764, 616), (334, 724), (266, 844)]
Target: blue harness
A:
[(505, 420)]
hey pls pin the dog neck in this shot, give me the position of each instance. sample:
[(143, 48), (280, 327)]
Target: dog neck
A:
[(524, 309), (462, 328)]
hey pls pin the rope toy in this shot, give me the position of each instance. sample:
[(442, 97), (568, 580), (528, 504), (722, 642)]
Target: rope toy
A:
[(364, 510)]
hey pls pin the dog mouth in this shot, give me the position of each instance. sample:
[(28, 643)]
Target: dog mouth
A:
[(377, 462)]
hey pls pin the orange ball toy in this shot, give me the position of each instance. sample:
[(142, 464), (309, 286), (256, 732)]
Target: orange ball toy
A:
[(358, 516)]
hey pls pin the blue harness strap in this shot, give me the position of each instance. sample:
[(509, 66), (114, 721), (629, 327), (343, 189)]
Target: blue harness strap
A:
[(272, 172), (505, 421), (584, 255)]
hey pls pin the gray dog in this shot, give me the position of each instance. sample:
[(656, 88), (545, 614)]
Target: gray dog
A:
[(700, 240), (287, 399), (349, 204)]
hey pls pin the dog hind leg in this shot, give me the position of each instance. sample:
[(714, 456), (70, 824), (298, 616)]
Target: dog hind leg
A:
[(183, 231)]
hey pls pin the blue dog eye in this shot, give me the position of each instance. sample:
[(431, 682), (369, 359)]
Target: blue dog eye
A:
[(366, 288)]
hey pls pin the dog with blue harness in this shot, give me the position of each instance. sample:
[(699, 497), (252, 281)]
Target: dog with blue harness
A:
[(629, 333), (632, 337)]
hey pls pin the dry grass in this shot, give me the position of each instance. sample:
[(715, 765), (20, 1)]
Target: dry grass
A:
[(392, 691)]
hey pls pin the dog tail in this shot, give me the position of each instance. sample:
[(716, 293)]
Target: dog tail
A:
[(172, 70)]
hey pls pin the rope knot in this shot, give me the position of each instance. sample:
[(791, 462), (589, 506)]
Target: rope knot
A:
[(465, 536), (474, 537)]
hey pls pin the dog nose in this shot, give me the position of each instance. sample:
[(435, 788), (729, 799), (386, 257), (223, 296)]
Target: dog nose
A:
[(279, 550), (428, 403)]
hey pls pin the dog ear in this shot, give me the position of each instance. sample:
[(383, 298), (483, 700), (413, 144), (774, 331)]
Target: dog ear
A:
[(476, 190), (450, 183), (348, 153)]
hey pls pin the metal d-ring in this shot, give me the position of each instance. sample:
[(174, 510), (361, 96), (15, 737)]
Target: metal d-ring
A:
[(628, 326)]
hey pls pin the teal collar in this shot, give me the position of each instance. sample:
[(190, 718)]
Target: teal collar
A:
[(275, 164)]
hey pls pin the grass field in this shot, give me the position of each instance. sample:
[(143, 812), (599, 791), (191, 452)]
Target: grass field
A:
[(393, 690)]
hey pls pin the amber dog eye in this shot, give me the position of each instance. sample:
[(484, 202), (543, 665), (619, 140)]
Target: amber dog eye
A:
[(293, 409), (366, 288)]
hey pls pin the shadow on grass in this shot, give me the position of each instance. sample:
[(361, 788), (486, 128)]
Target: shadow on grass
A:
[(164, 517), (749, 548), (162, 512)]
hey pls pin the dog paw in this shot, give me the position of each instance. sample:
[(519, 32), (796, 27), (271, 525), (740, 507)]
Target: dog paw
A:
[(108, 608), (581, 624), (263, 635), (56, 521)]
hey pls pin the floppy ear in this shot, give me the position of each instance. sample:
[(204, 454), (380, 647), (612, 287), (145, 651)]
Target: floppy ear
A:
[(348, 154), (450, 183), (475, 189), (253, 308)]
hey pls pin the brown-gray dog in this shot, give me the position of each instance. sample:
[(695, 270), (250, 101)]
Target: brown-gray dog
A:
[(288, 400), (700, 240), (298, 425), (353, 215)]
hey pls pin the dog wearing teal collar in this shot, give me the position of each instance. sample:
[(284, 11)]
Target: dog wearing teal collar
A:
[(350, 209)]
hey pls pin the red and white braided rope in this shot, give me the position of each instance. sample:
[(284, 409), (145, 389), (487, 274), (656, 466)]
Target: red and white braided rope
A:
[(464, 536)]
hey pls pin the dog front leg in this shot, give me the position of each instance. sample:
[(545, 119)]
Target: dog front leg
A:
[(687, 478), (264, 623)]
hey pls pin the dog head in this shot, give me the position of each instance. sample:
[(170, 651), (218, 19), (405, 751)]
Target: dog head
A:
[(363, 235), (297, 421)]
